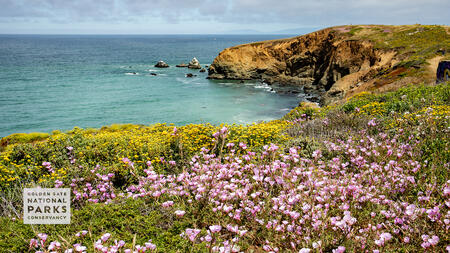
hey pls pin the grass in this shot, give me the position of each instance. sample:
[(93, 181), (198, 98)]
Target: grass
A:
[(22, 138), (123, 220), (391, 146), (414, 43), (109, 145)]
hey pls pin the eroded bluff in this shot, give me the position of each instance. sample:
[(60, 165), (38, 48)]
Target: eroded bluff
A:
[(326, 63)]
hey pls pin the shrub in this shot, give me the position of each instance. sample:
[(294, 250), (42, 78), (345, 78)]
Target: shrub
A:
[(22, 138), (373, 171)]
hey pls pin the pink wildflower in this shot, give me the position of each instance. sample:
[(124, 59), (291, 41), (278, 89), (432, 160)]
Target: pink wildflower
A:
[(340, 249), (179, 213), (215, 228), (105, 237), (192, 233)]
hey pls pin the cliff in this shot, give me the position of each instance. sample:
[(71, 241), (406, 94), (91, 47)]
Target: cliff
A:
[(338, 62)]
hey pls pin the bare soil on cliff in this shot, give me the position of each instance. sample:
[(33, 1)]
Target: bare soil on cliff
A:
[(341, 61)]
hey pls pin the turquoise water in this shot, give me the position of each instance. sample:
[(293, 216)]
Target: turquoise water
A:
[(59, 82)]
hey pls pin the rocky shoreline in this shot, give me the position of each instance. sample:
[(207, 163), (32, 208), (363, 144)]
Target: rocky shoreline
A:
[(334, 63)]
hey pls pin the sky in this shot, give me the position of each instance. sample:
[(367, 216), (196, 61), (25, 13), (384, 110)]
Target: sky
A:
[(209, 16)]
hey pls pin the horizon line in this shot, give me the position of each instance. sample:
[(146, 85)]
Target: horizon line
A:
[(125, 34)]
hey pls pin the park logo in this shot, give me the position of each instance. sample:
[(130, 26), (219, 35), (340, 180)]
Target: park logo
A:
[(46, 206)]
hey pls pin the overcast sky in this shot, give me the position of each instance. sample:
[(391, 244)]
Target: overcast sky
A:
[(209, 16)]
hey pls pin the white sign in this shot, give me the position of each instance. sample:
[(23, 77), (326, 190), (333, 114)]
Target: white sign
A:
[(46, 206)]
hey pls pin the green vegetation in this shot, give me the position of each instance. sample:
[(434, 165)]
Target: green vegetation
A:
[(407, 99), (418, 41), (124, 219), (354, 30), (415, 44), (377, 160), (23, 158), (22, 138)]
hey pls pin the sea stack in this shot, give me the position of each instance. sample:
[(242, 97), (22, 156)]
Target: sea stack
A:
[(161, 64), (194, 64)]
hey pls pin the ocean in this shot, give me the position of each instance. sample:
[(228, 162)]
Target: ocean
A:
[(57, 82)]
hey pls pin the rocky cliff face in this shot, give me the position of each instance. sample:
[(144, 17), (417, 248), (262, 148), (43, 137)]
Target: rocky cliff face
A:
[(331, 62)]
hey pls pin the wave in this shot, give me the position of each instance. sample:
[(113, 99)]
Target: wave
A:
[(262, 86), (184, 80)]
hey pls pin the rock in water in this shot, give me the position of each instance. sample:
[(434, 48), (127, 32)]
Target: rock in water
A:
[(194, 64), (202, 70), (182, 65), (190, 75), (161, 64)]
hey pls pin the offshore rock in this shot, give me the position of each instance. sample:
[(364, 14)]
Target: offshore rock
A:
[(194, 64), (161, 64)]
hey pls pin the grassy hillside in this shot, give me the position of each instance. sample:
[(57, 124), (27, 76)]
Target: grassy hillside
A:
[(339, 62), (415, 44), (368, 174)]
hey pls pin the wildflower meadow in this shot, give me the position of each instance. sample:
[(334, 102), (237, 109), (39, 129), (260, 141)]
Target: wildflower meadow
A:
[(368, 175)]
